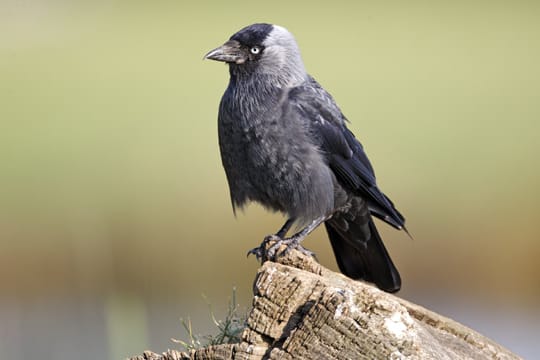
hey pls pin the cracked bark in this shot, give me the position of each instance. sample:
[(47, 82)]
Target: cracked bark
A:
[(302, 310)]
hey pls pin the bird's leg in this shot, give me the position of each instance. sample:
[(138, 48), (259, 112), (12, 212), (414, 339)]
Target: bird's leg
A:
[(285, 228), (294, 241), (260, 251)]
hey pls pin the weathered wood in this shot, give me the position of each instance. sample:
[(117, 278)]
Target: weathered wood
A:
[(302, 310)]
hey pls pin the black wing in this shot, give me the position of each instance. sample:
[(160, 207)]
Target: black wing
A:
[(345, 154)]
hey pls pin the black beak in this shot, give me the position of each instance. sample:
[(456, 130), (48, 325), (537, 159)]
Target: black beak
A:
[(229, 52)]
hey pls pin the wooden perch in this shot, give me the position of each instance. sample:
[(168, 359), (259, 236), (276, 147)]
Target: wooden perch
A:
[(302, 310)]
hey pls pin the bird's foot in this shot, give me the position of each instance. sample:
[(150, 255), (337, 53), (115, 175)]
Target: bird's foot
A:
[(270, 252), (292, 243), (261, 252)]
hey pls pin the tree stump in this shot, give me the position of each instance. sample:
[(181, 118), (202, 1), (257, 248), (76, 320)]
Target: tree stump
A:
[(302, 310)]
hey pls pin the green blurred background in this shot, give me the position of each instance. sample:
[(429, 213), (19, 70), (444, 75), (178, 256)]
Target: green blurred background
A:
[(114, 209)]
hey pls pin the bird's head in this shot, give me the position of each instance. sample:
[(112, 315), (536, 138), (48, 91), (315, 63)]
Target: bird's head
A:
[(263, 49)]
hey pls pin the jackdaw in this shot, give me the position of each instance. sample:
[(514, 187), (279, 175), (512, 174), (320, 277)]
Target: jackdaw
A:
[(284, 143)]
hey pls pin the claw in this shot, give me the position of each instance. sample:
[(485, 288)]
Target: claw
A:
[(260, 252), (272, 250), (257, 252), (265, 252), (297, 246)]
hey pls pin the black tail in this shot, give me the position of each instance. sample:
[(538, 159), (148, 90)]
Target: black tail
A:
[(360, 253)]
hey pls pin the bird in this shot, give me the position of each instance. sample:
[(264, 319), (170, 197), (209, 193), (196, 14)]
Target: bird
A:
[(285, 144)]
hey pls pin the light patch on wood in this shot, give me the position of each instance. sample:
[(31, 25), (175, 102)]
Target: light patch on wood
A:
[(271, 274), (339, 311), (395, 325)]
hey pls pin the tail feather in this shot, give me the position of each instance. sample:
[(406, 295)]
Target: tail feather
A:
[(361, 254)]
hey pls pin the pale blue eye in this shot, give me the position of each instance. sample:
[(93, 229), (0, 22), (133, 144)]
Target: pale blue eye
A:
[(255, 50)]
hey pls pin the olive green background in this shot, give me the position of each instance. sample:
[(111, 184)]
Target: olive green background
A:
[(114, 209)]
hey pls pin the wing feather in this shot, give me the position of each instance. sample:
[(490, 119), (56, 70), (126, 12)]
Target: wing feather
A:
[(344, 153)]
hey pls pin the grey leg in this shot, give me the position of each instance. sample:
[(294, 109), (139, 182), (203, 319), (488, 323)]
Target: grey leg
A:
[(292, 242), (260, 252), (285, 228)]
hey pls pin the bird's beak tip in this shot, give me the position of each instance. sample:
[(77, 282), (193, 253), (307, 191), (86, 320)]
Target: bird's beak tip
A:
[(208, 55), (227, 53)]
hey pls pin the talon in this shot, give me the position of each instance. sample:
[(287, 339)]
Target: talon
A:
[(261, 253), (299, 248), (258, 252), (272, 250), (265, 252), (292, 243)]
